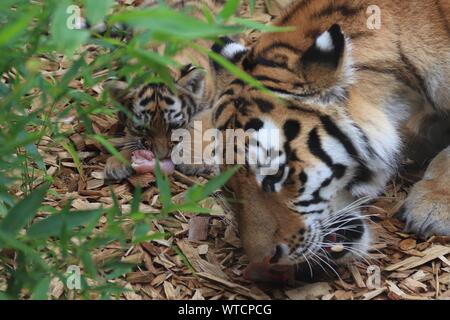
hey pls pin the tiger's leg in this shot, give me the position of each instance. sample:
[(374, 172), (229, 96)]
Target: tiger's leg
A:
[(427, 208), (117, 170)]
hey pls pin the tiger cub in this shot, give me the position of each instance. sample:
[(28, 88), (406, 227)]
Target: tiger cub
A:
[(341, 97), (155, 110)]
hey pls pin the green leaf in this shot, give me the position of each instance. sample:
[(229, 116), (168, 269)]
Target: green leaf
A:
[(52, 225), (199, 192), (260, 26), (88, 263), (136, 200), (12, 30), (24, 211), (35, 155), (74, 154), (111, 149), (168, 24), (64, 29), (163, 187), (233, 69), (117, 269), (229, 9), (96, 10), (218, 181), (40, 291)]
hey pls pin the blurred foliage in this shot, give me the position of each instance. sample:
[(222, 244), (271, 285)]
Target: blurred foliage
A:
[(29, 102)]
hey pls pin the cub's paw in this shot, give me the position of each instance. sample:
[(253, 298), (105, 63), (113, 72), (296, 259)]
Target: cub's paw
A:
[(427, 208), (118, 173)]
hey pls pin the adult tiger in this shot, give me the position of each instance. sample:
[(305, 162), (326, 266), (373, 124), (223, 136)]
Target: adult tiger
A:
[(341, 97)]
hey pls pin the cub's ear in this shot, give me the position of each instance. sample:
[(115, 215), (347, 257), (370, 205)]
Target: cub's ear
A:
[(120, 92), (117, 89), (193, 80), (325, 63)]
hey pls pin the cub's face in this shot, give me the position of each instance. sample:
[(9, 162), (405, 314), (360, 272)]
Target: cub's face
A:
[(154, 110), (297, 199)]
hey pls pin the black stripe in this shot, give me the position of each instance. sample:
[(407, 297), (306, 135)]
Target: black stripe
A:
[(332, 129), (271, 64), (344, 10), (144, 89), (242, 105), (316, 198), (220, 109), (229, 92), (291, 129), (145, 101), (238, 56), (303, 177), (363, 174), (263, 105), (238, 82), (294, 107), (268, 183), (254, 124), (316, 149), (312, 212), (266, 78), (297, 95), (280, 45)]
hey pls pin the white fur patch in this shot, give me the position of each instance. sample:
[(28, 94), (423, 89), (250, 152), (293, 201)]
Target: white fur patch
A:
[(231, 49), (268, 156), (325, 42)]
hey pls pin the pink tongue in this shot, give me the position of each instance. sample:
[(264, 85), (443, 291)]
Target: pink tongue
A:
[(143, 161)]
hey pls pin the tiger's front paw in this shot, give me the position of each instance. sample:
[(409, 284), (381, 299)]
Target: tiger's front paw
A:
[(427, 208)]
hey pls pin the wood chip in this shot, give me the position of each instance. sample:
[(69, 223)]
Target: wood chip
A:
[(407, 244), (373, 294), (356, 276), (412, 262), (198, 228), (313, 291)]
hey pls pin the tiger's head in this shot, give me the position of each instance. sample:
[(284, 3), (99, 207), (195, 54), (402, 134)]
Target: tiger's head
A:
[(308, 210), (154, 110)]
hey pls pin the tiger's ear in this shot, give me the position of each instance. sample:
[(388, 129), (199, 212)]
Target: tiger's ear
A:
[(230, 50), (324, 62), (193, 80)]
